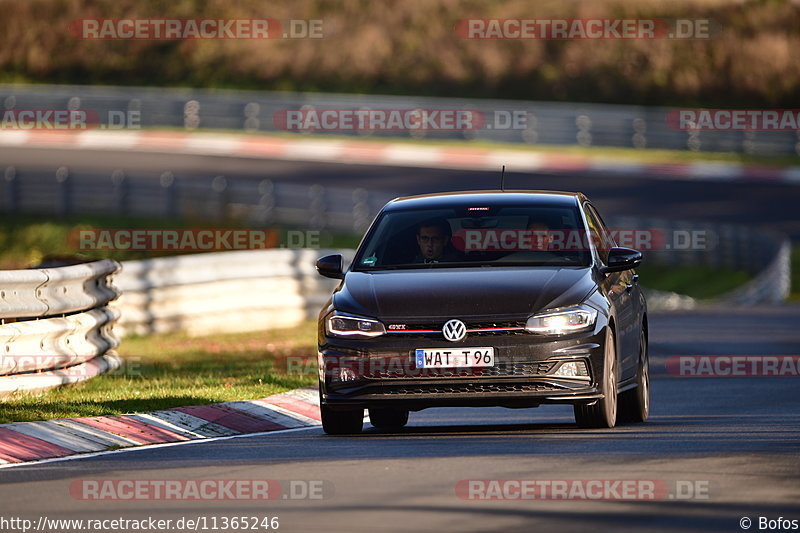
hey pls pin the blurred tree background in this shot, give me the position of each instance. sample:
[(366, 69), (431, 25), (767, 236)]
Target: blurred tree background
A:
[(410, 47)]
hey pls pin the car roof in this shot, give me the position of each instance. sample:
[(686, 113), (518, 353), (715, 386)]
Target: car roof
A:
[(512, 197)]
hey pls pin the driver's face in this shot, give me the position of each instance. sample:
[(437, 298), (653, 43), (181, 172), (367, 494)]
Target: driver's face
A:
[(431, 242)]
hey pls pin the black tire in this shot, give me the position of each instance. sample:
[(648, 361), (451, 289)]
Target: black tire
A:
[(388, 417), (341, 422), (603, 414), (634, 404)]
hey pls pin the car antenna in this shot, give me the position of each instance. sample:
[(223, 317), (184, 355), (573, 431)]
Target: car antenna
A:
[(502, 177)]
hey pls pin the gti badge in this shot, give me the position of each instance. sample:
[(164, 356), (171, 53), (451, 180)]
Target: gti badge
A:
[(454, 330)]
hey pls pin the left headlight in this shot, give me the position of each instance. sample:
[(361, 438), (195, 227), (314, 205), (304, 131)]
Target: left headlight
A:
[(340, 325), (563, 320)]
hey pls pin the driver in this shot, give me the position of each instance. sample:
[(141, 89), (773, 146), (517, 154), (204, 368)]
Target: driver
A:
[(433, 237)]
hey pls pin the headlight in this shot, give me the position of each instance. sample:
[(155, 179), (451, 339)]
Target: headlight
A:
[(564, 320), (340, 325)]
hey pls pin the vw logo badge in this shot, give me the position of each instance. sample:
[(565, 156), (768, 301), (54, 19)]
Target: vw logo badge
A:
[(454, 330)]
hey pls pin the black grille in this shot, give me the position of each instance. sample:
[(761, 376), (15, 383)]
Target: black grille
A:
[(433, 330), (501, 370), (460, 388)]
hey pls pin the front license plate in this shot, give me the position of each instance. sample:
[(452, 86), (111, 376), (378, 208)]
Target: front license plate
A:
[(454, 357)]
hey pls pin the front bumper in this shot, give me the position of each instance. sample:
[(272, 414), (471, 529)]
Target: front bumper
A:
[(381, 372)]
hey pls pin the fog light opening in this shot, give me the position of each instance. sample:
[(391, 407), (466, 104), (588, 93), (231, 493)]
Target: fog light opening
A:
[(572, 369)]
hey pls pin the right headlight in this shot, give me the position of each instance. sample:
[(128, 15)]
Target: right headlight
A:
[(342, 325), (563, 320)]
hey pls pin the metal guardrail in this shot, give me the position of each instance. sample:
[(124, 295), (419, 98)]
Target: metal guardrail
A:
[(221, 292), (209, 198), (772, 285), (718, 246), (546, 123), (56, 326), (54, 291), (763, 254), (57, 342)]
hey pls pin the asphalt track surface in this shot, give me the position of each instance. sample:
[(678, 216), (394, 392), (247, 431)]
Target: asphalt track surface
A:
[(765, 204), (739, 438)]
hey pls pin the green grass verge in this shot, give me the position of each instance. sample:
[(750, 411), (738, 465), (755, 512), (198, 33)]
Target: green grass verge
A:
[(27, 239), (698, 282), (164, 371)]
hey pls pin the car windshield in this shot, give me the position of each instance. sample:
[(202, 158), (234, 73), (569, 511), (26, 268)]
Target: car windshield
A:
[(475, 236)]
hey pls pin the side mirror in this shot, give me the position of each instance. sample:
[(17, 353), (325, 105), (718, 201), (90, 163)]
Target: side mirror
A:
[(331, 266), (620, 259)]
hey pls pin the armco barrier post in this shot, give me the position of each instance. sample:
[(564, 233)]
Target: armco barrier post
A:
[(169, 193), (119, 193), (63, 197), (11, 190)]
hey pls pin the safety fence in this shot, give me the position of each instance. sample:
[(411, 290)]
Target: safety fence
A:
[(524, 122), (208, 198), (56, 326)]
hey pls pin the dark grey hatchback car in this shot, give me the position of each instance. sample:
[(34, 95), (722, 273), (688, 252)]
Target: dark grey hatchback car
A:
[(484, 298)]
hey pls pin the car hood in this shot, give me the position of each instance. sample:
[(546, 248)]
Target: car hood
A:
[(462, 292)]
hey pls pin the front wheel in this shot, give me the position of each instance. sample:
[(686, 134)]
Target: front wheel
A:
[(341, 421), (603, 414), (634, 405)]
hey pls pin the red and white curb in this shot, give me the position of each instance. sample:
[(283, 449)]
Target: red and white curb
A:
[(387, 153), (22, 442)]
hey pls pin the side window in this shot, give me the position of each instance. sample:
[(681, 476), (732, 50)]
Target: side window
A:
[(600, 236)]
